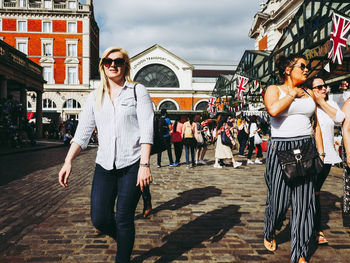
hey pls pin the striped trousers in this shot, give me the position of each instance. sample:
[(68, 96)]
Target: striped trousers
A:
[(300, 195)]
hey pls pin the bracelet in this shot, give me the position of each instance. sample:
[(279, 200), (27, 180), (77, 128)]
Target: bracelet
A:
[(144, 164), (322, 154)]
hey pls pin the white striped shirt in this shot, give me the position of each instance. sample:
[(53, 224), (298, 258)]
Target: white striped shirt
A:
[(121, 127)]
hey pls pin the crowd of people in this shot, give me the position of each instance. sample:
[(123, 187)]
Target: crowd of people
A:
[(194, 134), (300, 151)]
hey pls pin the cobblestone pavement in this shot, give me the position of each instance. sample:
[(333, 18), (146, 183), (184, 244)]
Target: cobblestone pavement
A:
[(200, 215)]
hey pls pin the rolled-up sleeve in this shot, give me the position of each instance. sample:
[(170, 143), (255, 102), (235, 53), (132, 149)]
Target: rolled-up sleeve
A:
[(145, 114), (86, 123), (339, 117)]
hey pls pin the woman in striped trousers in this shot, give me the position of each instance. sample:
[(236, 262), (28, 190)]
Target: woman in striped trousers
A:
[(291, 109)]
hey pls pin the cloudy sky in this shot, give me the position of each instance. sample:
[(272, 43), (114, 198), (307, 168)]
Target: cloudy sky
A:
[(192, 29)]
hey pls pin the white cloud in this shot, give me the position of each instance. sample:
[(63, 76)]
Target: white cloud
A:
[(191, 29)]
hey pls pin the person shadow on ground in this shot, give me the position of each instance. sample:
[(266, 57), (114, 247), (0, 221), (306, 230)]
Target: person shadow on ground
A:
[(189, 197), (211, 226)]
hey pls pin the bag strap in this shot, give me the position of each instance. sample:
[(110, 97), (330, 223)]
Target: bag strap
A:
[(135, 95)]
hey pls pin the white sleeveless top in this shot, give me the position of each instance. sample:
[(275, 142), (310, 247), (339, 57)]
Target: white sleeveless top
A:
[(295, 120)]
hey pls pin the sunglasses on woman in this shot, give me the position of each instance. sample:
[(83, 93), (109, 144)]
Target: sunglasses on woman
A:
[(302, 66), (118, 62), (320, 86)]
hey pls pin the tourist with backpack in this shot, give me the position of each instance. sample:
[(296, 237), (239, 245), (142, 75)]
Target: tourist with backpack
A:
[(164, 134), (189, 129)]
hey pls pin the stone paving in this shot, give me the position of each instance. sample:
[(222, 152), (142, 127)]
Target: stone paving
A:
[(200, 214)]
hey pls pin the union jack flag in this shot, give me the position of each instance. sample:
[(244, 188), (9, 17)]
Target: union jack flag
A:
[(211, 104), (339, 36), (241, 83)]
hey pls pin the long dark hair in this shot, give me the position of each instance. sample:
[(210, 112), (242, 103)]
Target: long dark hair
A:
[(222, 120), (282, 62), (177, 119), (310, 81)]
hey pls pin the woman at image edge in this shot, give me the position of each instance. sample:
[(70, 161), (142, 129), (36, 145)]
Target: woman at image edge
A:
[(125, 127), (290, 108)]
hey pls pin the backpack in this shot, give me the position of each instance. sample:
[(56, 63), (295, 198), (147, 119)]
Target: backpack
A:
[(158, 144), (188, 132), (163, 126)]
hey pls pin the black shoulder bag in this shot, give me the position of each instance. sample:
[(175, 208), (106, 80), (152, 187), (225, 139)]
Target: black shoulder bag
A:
[(299, 162)]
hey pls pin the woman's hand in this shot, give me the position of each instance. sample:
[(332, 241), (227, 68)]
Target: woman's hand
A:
[(144, 177), (297, 92), (319, 98), (64, 173)]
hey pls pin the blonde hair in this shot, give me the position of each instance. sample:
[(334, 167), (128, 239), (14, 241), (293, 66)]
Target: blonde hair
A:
[(104, 84)]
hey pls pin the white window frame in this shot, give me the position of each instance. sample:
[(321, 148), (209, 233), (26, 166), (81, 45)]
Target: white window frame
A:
[(72, 42), (47, 2), (25, 29), (74, 4), (50, 27), (45, 41), (50, 79), (75, 30), (70, 81), (22, 3), (0, 24), (22, 40)]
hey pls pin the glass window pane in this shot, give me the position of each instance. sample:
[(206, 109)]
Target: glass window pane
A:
[(22, 47), (47, 27), (72, 50), (47, 4), (72, 27), (168, 105), (47, 49), (71, 4), (157, 75), (72, 75), (22, 26), (202, 105)]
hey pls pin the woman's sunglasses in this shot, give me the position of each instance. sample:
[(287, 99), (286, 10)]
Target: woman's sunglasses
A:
[(302, 66), (118, 62), (320, 86)]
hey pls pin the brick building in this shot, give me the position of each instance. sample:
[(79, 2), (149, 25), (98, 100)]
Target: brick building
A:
[(62, 36)]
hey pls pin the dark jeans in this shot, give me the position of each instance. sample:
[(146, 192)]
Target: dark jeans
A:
[(321, 177), (242, 145), (251, 148), (167, 144), (107, 186), (187, 149), (178, 151)]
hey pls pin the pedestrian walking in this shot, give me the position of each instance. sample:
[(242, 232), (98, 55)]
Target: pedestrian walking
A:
[(202, 143), (242, 137), (328, 114), (224, 150), (176, 137), (346, 158), (291, 109), (189, 129), (254, 141), (125, 129), (164, 133)]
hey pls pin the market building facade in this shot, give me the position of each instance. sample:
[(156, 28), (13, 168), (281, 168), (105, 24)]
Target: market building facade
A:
[(304, 28)]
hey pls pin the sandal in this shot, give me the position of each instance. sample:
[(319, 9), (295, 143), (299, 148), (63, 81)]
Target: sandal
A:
[(270, 245), (321, 239)]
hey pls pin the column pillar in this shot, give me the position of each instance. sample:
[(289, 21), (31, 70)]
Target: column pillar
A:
[(3, 87), (39, 114)]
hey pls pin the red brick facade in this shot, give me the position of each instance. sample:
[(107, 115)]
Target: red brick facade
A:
[(35, 36)]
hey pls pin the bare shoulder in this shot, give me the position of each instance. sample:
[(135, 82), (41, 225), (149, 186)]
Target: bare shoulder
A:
[(346, 105)]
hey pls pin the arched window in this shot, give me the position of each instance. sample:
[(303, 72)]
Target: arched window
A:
[(71, 104), (157, 75), (168, 105), (203, 105), (49, 104)]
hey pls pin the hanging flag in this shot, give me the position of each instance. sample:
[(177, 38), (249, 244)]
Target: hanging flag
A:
[(241, 83), (211, 104), (339, 35), (256, 85)]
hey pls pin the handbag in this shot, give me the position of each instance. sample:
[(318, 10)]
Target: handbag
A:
[(200, 139), (300, 162), (257, 139), (225, 140)]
